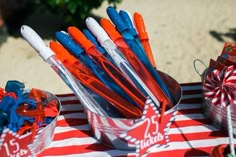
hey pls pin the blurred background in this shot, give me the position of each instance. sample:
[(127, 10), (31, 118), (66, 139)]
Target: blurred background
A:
[(179, 31)]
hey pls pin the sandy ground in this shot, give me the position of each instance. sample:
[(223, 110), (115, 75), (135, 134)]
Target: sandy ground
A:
[(179, 33)]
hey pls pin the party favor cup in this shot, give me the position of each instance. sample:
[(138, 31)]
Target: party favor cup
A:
[(108, 130), (11, 144)]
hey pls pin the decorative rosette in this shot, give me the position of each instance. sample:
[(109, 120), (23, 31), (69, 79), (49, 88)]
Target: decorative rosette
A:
[(220, 86)]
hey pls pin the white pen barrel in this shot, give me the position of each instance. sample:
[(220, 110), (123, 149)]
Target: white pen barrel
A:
[(36, 42)]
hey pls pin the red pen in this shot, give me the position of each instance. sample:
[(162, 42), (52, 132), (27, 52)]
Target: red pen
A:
[(143, 36)]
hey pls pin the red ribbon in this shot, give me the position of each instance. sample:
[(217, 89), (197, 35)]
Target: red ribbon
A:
[(220, 86)]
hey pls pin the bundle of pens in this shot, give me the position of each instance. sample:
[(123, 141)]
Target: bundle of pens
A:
[(24, 115), (110, 67), (220, 91)]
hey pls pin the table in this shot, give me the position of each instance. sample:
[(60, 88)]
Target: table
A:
[(190, 135)]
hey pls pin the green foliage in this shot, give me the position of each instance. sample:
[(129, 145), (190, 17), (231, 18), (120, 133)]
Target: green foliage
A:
[(72, 10)]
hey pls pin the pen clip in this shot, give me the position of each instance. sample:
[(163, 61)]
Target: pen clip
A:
[(127, 19), (61, 53), (83, 41), (139, 23), (110, 29)]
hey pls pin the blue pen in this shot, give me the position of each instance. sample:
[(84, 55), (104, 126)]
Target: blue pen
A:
[(136, 48), (127, 19), (79, 53)]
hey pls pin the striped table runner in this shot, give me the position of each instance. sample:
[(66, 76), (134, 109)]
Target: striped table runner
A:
[(190, 135)]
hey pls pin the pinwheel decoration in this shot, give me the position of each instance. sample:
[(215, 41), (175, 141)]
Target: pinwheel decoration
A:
[(220, 86)]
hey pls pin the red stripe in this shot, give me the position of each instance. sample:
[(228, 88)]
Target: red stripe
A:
[(191, 84), (189, 111), (66, 102), (71, 122), (192, 92), (67, 112), (65, 95), (79, 149), (191, 100), (197, 136)]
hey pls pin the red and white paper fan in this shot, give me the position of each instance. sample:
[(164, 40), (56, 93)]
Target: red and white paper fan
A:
[(220, 86)]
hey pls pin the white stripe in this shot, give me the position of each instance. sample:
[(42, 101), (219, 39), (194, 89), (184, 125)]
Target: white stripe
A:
[(66, 98), (72, 107), (192, 129), (65, 129), (191, 87), (128, 138), (193, 144), (73, 142), (189, 106), (71, 115), (191, 96), (189, 117), (124, 126)]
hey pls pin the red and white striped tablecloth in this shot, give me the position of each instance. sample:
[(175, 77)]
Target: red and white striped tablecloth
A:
[(190, 135)]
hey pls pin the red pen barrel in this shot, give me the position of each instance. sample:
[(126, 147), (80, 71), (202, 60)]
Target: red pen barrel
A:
[(143, 36)]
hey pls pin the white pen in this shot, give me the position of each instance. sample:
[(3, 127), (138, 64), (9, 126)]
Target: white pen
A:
[(49, 57)]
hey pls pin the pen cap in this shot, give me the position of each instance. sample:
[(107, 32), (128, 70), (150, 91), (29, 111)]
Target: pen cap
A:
[(93, 39), (62, 53), (97, 30), (116, 19), (127, 19), (110, 29), (139, 23), (36, 42), (69, 44), (80, 38)]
